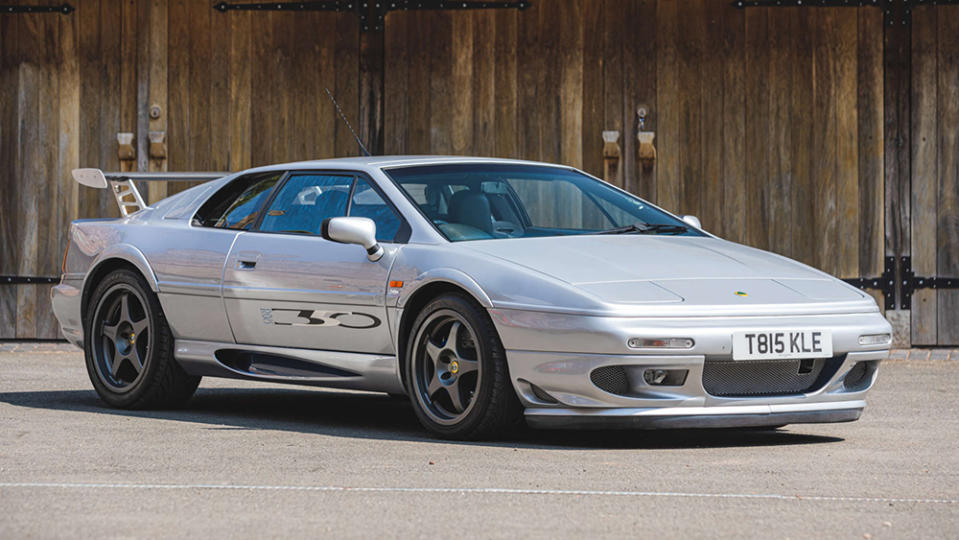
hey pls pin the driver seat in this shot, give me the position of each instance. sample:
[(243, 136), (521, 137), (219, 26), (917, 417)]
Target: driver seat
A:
[(471, 208)]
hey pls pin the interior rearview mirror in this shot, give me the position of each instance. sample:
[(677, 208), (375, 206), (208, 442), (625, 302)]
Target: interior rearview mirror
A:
[(354, 230), (692, 220)]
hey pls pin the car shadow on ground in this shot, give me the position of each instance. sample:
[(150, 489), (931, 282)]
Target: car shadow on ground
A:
[(377, 416)]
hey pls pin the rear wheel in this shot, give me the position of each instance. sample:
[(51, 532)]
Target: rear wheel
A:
[(129, 347), (458, 377)]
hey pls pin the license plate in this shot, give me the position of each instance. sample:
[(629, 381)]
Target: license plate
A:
[(775, 344)]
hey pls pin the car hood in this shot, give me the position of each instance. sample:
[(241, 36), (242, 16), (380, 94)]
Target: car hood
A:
[(671, 270)]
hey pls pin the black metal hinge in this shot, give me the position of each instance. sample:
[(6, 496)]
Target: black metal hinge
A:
[(894, 11), (911, 283), (371, 13), (64, 9), (907, 284), (22, 280), (885, 283)]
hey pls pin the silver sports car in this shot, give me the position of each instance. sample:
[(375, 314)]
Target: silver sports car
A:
[(489, 291)]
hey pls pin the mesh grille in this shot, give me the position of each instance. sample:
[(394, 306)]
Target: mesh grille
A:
[(611, 379), (729, 378)]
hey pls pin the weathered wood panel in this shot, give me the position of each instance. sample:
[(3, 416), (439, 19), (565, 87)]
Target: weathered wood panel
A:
[(947, 248), (9, 181), (925, 173)]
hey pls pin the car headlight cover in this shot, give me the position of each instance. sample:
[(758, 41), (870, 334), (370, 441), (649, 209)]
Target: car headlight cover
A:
[(875, 339), (661, 343)]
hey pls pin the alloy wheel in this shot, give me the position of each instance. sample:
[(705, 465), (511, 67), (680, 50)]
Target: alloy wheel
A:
[(447, 372), (122, 334)]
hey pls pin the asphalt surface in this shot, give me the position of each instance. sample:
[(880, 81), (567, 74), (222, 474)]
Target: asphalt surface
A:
[(246, 460)]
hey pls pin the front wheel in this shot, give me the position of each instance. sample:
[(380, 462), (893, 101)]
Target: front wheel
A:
[(457, 374), (128, 346)]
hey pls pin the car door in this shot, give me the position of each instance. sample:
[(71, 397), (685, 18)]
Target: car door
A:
[(188, 260), (284, 285)]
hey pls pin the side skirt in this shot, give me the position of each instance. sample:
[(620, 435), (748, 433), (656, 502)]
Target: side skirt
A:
[(335, 369)]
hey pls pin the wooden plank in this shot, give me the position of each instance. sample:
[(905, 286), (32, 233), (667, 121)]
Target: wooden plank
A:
[(347, 80), (262, 91), (9, 174), (615, 32), (594, 87), (780, 180), (484, 83), (734, 125), (690, 38), (506, 142), (639, 72), (825, 138), (461, 82), (324, 113), (571, 84), (528, 63), (371, 91), (897, 135), (45, 176), (757, 127), (714, 58), (302, 129), (219, 39), (847, 144), (108, 69), (157, 64), (128, 76), (804, 162), (180, 89), (947, 260), (668, 137), (441, 74), (29, 164), (91, 84), (68, 148), (870, 147), (396, 84), (418, 131), (925, 172), (241, 86)]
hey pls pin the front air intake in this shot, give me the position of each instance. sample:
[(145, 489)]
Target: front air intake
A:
[(748, 378), (612, 379)]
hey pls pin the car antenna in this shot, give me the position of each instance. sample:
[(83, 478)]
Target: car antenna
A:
[(343, 116)]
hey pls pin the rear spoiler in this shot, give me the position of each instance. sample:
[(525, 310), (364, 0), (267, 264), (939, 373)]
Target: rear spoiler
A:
[(123, 188)]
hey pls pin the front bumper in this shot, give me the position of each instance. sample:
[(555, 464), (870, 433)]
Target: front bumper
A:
[(557, 388)]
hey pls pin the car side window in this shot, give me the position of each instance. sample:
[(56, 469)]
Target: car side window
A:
[(368, 203), (237, 205), (305, 200)]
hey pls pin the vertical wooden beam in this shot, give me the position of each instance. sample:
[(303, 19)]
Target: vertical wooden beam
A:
[(484, 83), (897, 58), (711, 119), (347, 93), (571, 83), (461, 83), (805, 132), (46, 174), (418, 131), (441, 73), (690, 39), (948, 239), (507, 125), (780, 223), (396, 77), (241, 104), (9, 179), (371, 91), (924, 172), (156, 70), (639, 71), (847, 143), (91, 90), (734, 125), (668, 119), (593, 87), (757, 127), (871, 192)]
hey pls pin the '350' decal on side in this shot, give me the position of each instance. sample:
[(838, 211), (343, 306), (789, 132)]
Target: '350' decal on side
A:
[(310, 317)]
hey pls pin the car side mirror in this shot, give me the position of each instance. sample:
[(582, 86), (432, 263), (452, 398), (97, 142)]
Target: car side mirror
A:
[(692, 220), (353, 230)]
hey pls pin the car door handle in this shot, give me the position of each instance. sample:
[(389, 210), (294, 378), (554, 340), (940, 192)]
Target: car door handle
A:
[(246, 260)]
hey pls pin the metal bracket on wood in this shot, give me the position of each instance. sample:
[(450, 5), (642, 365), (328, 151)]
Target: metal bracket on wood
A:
[(64, 9), (372, 14), (894, 11), (911, 282), (21, 280), (885, 283)]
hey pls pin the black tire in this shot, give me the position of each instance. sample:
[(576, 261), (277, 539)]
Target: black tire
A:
[(135, 368), (493, 410)]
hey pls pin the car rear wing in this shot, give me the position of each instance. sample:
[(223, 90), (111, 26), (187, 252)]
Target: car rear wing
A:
[(125, 191)]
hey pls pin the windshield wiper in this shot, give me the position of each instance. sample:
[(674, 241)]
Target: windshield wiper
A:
[(646, 228)]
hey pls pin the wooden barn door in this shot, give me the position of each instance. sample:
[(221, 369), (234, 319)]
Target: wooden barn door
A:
[(934, 206)]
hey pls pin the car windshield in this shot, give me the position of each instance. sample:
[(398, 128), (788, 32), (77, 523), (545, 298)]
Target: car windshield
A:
[(488, 200)]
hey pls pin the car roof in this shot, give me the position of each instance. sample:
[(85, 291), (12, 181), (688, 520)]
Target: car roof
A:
[(381, 162)]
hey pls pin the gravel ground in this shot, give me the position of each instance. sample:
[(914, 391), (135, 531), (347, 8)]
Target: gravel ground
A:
[(248, 460)]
